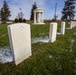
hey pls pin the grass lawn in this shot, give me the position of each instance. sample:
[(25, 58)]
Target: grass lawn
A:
[(58, 58)]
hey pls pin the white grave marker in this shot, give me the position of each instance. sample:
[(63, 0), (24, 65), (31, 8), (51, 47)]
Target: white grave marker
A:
[(53, 31), (20, 41), (62, 28), (73, 24)]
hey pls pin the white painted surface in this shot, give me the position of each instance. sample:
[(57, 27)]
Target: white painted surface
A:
[(20, 41), (62, 28), (38, 10), (53, 31)]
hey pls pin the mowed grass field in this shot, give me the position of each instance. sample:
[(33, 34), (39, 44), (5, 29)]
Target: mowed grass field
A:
[(58, 58)]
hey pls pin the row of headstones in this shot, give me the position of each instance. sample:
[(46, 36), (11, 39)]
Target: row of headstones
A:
[(53, 31), (20, 39)]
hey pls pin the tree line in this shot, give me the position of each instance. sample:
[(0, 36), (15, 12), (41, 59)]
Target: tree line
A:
[(68, 12)]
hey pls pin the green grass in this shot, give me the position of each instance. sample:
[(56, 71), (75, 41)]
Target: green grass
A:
[(40, 30), (4, 41), (40, 63)]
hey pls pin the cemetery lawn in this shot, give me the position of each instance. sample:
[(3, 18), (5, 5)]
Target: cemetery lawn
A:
[(58, 58)]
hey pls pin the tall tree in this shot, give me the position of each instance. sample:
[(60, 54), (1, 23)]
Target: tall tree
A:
[(5, 12), (68, 12), (32, 11)]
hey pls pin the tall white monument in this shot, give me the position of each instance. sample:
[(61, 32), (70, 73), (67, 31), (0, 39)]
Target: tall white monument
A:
[(53, 32), (38, 16), (20, 41)]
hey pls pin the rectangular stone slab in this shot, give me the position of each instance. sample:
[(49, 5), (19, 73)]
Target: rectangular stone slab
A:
[(73, 24), (20, 41), (62, 28), (53, 31)]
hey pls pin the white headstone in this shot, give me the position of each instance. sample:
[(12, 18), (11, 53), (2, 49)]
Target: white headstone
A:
[(62, 28), (73, 24), (20, 41), (53, 31)]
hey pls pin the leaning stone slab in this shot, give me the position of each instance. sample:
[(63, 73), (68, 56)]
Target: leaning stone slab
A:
[(20, 41)]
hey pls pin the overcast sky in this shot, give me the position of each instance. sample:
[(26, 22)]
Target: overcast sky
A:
[(47, 5)]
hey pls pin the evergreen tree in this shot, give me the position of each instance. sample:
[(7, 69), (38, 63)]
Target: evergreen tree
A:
[(68, 10), (5, 12), (32, 11)]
